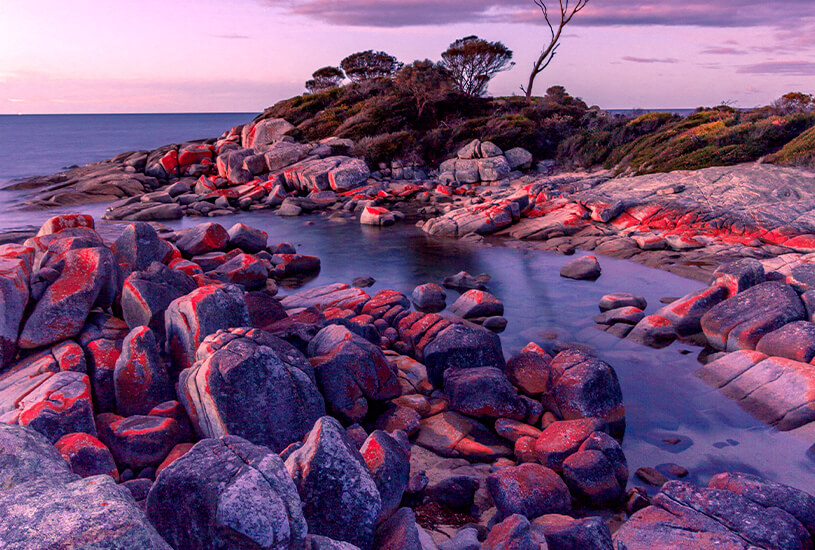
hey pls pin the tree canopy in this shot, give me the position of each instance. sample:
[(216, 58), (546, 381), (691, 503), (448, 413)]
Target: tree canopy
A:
[(473, 61), (369, 64), (426, 82), (325, 79)]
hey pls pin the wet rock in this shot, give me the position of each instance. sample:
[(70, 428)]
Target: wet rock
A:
[(530, 490), (477, 303), (651, 476), (514, 533), (376, 215), (514, 430), (27, 456), (140, 378), (203, 238), (461, 346), (350, 370), (685, 314), (654, 331), (464, 281), (627, 315), (89, 277), (339, 295), (389, 463), (584, 268), (363, 282), (794, 341), (87, 455), (227, 493), (339, 497), (191, 318), (566, 533), (740, 322), (684, 516), (429, 297), (495, 324), (622, 299), (601, 441), (399, 418), (250, 384), (88, 513), (138, 442), (483, 392)]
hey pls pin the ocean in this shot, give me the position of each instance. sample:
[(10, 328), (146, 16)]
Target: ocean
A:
[(36, 145)]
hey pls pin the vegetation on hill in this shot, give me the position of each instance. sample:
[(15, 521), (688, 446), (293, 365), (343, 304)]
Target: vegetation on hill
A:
[(419, 116)]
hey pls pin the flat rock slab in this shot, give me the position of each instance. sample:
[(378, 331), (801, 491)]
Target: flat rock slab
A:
[(740, 322), (776, 390)]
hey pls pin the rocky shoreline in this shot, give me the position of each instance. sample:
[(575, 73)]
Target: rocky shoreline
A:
[(156, 391)]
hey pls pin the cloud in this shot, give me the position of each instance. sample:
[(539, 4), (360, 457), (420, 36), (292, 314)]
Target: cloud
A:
[(790, 68), (232, 36), (650, 59), (723, 51), (402, 13)]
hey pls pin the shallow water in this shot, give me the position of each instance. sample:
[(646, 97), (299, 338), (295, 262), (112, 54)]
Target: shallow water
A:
[(662, 396)]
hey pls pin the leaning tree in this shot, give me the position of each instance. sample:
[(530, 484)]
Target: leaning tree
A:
[(549, 51), (325, 79), (369, 64), (473, 61)]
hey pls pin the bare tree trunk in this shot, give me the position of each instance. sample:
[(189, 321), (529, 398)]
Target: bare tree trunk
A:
[(549, 51)]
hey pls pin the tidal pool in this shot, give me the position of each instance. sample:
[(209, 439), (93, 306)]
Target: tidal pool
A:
[(663, 397)]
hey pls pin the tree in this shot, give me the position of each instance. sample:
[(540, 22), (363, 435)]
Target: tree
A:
[(325, 79), (795, 102), (473, 62), (548, 53), (369, 64), (426, 82)]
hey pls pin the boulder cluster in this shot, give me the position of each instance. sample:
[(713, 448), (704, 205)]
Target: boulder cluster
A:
[(759, 326), (155, 392)]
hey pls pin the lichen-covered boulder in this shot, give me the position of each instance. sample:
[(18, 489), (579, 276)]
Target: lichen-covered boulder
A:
[(244, 269), (54, 404), (139, 246), (583, 386), (147, 294), (462, 346), (203, 238), (140, 441), (530, 490), (140, 379), (191, 318), (248, 239), (251, 384), (339, 496), (88, 277), (93, 512), (477, 303), (15, 270), (389, 462), (227, 493), (483, 392), (87, 455), (350, 370)]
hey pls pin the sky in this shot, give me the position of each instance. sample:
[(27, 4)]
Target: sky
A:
[(112, 56)]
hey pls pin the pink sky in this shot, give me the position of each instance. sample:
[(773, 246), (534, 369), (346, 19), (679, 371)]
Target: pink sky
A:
[(110, 56)]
